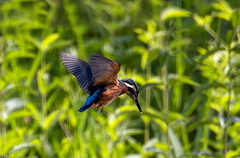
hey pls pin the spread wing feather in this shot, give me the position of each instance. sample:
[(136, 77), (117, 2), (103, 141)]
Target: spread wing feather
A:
[(104, 70), (79, 68)]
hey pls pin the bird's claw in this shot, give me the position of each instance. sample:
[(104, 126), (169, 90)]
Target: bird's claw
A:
[(100, 110)]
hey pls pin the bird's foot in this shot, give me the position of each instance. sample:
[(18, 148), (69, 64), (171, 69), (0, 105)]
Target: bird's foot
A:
[(102, 109)]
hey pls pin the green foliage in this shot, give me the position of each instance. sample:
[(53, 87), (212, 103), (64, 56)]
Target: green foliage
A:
[(184, 55)]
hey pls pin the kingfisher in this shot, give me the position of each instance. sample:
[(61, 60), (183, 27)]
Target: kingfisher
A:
[(98, 78)]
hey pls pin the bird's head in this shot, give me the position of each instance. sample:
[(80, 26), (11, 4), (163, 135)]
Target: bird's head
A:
[(132, 91)]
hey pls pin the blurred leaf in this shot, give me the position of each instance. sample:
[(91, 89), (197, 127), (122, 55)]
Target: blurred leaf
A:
[(164, 54), (50, 120), (32, 41), (133, 156), (222, 121), (192, 103), (130, 132), (154, 150), (36, 114), (195, 124), (73, 118), (52, 98), (41, 80), (19, 54), (134, 144), (34, 68), (182, 79), (173, 12), (152, 85), (206, 54), (203, 21), (151, 143), (126, 109), (48, 41), (177, 146), (179, 44), (115, 120), (225, 9), (20, 87), (233, 153), (151, 27), (144, 55), (21, 147), (152, 116), (173, 116), (14, 104), (204, 153), (153, 54), (235, 18), (18, 114), (141, 50), (142, 35)]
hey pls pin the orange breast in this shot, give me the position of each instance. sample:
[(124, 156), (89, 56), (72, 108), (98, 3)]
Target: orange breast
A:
[(111, 93)]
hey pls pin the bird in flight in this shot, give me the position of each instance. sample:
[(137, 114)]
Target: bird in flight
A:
[(98, 78)]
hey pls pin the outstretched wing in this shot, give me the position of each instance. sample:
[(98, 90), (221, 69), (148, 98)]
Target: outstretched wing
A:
[(104, 70), (79, 68)]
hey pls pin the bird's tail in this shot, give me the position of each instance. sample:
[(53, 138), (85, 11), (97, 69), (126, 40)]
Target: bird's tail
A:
[(92, 99)]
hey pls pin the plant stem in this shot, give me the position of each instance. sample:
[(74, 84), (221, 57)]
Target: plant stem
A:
[(229, 88), (166, 105), (3, 129), (215, 35), (148, 101)]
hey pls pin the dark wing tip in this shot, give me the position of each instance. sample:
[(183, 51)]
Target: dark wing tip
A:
[(65, 54), (62, 53)]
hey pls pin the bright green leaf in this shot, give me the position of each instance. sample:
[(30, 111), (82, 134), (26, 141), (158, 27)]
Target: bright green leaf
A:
[(173, 12), (50, 120), (48, 41)]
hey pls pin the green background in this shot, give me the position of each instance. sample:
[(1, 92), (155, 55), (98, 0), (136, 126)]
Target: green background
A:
[(183, 54)]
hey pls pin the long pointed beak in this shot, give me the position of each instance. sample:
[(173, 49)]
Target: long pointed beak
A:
[(138, 104)]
